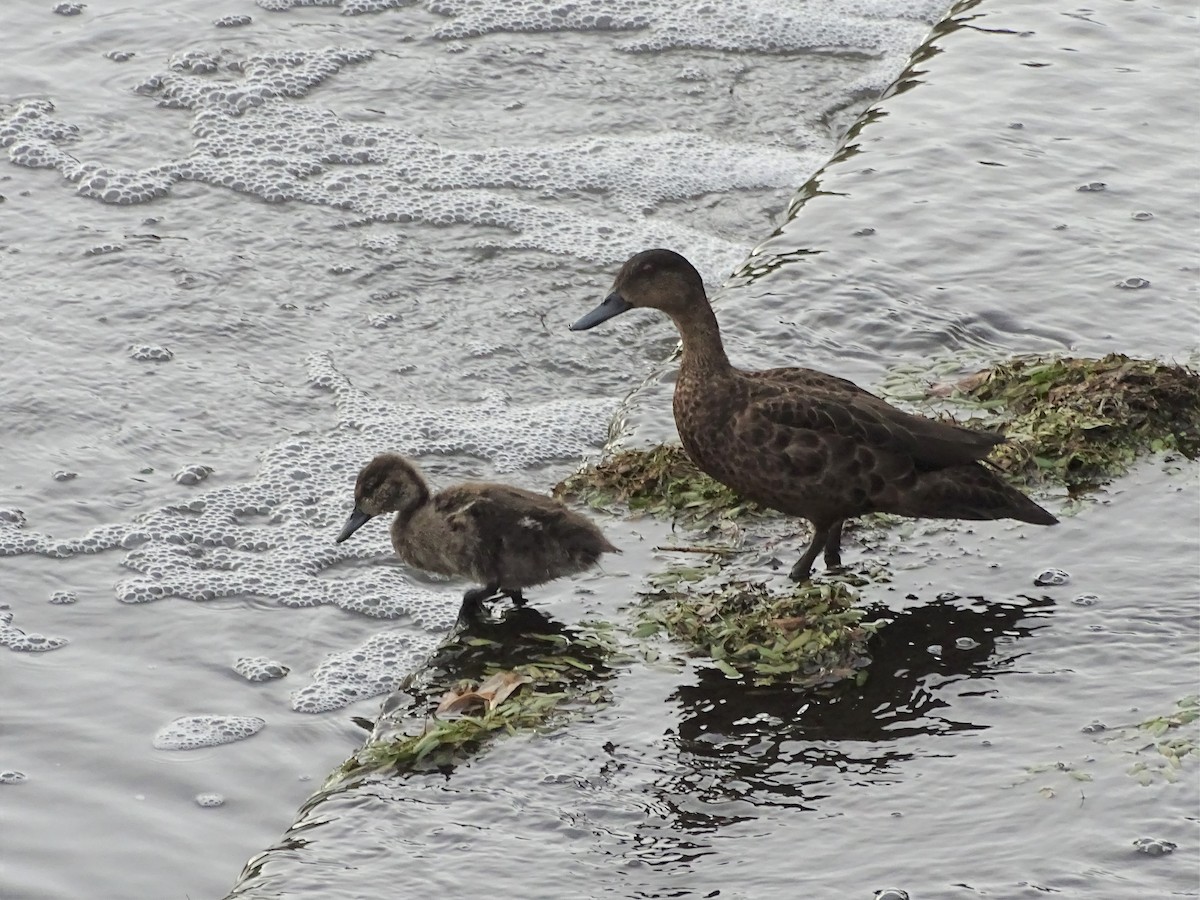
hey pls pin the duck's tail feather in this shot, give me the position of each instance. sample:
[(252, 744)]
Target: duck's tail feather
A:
[(972, 492)]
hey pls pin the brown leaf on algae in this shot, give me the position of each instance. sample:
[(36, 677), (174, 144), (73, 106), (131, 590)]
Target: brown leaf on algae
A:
[(490, 694)]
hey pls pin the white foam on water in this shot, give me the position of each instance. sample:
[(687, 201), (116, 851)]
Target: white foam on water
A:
[(273, 537), (194, 732), (375, 667), (250, 137), (756, 26), (15, 639), (260, 668)]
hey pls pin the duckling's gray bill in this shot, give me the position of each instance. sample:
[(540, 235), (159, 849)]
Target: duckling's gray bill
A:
[(357, 520), (614, 304)]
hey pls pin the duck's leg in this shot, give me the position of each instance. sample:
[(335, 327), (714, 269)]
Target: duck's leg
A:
[(803, 568), (833, 545), (473, 599), (518, 598)]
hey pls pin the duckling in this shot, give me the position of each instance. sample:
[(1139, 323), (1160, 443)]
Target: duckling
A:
[(505, 537), (802, 442)]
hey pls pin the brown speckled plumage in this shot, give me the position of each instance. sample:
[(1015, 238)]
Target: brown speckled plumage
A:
[(502, 537), (803, 442)]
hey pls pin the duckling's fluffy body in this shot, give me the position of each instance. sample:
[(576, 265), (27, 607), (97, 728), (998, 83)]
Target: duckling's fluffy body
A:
[(803, 442), (502, 537)]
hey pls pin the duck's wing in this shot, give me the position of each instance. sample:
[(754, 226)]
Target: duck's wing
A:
[(808, 379), (867, 420)]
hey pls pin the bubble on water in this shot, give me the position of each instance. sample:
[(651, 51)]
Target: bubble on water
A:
[(70, 9), (209, 801), (11, 776), (198, 62), (193, 474), (890, 894), (1051, 578), (1092, 187), (376, 667), (150, 353), (359, 7), (64, 598), (214, 544), (760, 26), (120, 55), (64, 475), (232, 21), (1086, 600), (966, 643), (193, 732), (1143, 216), (260, 668), (103, 250), (17, 640), (1134, 283), (1154, 846), (382, 320), (246, 140), (1094, 727)]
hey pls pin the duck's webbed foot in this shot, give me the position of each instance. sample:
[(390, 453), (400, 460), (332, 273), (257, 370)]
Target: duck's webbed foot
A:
[(833, 546)]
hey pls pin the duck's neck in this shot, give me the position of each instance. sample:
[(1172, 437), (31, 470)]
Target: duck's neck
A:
[(416, 506), (702, 347)]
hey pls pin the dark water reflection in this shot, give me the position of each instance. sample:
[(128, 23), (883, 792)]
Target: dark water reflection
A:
[(770, 746)]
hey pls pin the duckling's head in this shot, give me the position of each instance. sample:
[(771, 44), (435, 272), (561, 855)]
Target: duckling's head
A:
[(388, 483), (654, 279)]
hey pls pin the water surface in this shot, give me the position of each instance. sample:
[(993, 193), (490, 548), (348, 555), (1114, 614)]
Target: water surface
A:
[(457, 197)]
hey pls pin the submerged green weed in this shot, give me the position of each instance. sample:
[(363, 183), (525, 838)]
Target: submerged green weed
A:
[(1081, 422), (808, 635), (660, 480), (1160, 746), (1169, 738)]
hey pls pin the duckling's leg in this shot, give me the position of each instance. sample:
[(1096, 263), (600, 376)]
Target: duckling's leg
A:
[(802, 569), (518, 598), (833, 546), (474, 598)]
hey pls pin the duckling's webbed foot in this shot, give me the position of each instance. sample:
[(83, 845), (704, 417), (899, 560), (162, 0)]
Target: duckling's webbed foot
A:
[(518, 598), (833, 546), (803, 568)]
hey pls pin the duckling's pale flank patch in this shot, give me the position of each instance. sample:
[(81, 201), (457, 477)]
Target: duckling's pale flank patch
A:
[(503, 537), (803, 442)]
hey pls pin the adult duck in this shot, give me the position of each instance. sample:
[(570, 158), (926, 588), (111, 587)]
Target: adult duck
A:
[(803, 442), (503, 537)]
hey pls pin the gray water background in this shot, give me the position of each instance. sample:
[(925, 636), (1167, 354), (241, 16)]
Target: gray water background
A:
[(302, 345)]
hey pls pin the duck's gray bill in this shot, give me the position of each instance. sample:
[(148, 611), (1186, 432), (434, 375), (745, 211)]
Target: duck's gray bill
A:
[(614, 304), (357, 520)]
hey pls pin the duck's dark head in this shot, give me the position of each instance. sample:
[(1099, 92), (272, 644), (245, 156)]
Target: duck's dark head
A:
[(388, 483), (653, 279)]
